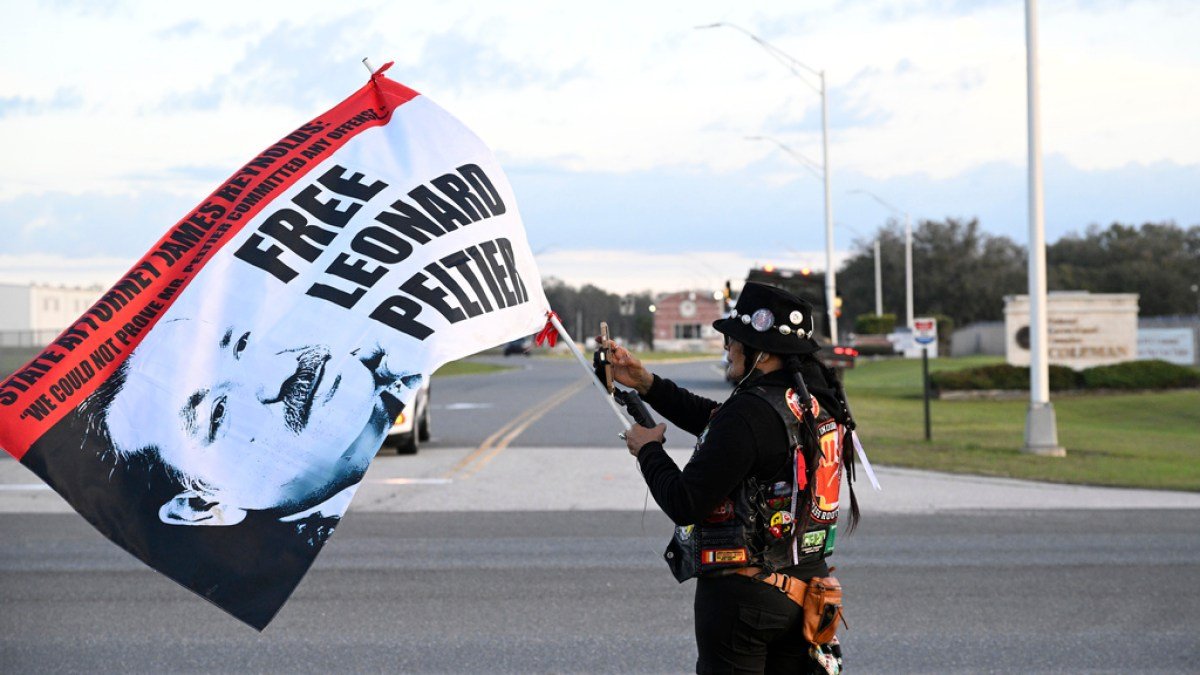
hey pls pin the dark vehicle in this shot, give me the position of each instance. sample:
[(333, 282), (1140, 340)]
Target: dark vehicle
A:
[(838, 357), (519, 346), (411, 427)]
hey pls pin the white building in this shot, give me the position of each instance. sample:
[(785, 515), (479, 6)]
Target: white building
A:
[(33, 314)]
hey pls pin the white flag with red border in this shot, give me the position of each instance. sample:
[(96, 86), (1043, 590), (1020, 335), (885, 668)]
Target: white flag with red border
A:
[(215, 410)]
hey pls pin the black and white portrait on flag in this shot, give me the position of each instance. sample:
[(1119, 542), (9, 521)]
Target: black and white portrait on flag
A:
[(225, 443)]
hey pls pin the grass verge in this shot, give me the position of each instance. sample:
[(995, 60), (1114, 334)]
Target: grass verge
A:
[(468, 368), (1145, 440)]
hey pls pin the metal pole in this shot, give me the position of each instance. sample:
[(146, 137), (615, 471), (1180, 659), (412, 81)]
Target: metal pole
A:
[(908, 271), (925, 380), (1041, 429), (830, 272), (878, 281)]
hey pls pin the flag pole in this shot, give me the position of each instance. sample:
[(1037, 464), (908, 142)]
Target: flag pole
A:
[(587, 368)]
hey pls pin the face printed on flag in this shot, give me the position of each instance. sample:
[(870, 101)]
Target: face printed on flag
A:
[(214, 412), (256, 424)]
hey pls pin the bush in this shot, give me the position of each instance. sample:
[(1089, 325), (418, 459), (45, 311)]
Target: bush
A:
[(1141, 375), (1002, 376), (874, 324), (1128, 375)]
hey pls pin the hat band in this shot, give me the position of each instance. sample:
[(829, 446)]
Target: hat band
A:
[(783, 328)]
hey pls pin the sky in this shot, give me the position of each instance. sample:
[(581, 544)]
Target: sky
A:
[(623, 128)]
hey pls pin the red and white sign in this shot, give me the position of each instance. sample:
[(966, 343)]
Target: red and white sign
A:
[(214, 412), (925, 330)]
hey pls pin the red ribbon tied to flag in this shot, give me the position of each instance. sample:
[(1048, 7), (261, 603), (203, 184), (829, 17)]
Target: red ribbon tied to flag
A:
[(548, 333)]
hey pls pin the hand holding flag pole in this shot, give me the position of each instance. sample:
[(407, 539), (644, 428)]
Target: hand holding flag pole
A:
[(549, 336)]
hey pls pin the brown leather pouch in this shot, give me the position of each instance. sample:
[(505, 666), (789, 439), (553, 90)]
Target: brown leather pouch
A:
[(822, 609)]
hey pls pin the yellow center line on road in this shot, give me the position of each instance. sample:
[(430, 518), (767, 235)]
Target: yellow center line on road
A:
[(498, 441)]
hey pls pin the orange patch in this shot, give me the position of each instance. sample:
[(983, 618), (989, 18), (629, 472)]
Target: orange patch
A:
[(793, 401), (723, 556)]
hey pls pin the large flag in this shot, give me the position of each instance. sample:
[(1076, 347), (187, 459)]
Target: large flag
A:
[(214, 412)]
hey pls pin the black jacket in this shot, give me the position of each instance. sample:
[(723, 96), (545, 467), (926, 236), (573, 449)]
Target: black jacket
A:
[(745, 437)]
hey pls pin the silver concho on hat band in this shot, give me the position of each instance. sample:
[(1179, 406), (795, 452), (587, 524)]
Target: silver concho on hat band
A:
[(762, 320), (795, 316)]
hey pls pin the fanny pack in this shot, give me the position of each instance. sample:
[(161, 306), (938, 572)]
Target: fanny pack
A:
[(820, 599)]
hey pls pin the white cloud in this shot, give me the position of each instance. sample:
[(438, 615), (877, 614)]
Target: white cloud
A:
[(150, 103), (623, 87)]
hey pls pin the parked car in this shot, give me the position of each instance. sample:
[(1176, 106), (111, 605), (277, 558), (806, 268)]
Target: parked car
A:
[(411, 427), (519, 346)]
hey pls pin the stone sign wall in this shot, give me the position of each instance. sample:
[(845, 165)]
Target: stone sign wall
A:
[(1085, 329)]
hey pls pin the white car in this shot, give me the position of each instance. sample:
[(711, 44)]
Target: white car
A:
[(411, 427)]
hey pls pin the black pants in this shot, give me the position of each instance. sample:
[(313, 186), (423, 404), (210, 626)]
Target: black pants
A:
[(746, 626)]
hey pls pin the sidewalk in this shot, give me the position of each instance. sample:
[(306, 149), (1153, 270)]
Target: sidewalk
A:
[(607, 479)]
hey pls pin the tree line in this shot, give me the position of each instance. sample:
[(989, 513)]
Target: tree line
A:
[(963, 273), (582, 309)]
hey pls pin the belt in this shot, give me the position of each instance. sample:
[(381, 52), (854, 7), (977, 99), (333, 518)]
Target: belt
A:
[(791, 586)]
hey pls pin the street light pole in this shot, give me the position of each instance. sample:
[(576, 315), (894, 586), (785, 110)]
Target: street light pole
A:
[(908, 272), (830, 272), (792, 64), (908, 265), (1041, 428), (878, 281)]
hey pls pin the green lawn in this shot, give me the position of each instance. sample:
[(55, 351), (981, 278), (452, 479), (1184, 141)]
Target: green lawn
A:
[(464, 367), (1147, 440)]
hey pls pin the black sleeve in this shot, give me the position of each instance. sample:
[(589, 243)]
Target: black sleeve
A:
[(683, 408), (723, 460)]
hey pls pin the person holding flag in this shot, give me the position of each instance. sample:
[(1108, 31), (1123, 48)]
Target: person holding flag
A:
[(757, 505)]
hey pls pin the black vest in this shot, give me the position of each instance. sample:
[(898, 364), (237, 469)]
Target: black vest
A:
[(756, 524)]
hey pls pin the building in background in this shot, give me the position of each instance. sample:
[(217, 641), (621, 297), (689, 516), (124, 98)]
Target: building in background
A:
[(683, 321), (31, 315)]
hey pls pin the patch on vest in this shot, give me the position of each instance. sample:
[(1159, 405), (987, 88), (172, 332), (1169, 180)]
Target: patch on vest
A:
[(827, 483), (724, 556), (780, 524), (793, 402), (813, 542)]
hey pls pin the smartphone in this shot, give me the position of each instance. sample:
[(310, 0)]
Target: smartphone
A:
[(601, 361)]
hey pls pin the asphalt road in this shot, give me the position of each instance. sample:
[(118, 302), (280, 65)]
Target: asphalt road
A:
[(516, 542), (585, 592), (468, 409)]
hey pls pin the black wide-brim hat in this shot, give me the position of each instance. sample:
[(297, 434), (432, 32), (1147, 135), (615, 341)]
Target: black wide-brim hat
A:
[(770, 319)]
